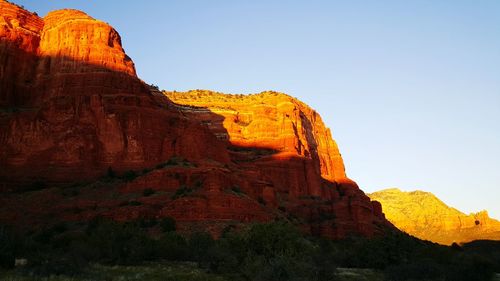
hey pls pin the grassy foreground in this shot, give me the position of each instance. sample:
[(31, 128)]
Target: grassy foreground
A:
[(107, 250), (167, 271), (154, 271)]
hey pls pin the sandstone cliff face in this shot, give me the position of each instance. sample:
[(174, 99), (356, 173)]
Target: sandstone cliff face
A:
[(283, 145), (20, 33), (72, 105), (73, 110), (71, 34), (423, 215), (269, 120)]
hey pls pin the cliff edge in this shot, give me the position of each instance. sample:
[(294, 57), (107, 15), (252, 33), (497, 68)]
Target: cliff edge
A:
[(81, 136)]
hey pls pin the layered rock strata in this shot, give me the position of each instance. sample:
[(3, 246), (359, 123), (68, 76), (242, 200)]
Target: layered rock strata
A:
[(285, 145), (72, 105), (82, 136)]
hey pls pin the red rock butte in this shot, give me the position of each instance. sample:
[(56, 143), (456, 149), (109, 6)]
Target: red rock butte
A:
[(73, 114)]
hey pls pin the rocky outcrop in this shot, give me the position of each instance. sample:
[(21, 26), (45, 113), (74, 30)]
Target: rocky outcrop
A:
[(20, 38), (269, 120), (284, 146), (72, 105), (423, 215), (82, 136), (71, 36)]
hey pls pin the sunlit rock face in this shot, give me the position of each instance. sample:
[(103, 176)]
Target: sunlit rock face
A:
[(72, 105), (268, 120), (423, 215), (71, 36), (20, 39), (282, 144), (73, 110)]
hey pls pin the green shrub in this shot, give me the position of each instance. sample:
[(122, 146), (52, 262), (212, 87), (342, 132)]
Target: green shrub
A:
[(56, 264), (269, 251), (160, 166), (129, 176), (173, 161), (420, 270), (148, 192), (146, 222), (111, 173), (200, 247), (70, 192), (172, 246), (36, 185), (167, 224), (182, 192), (485, 248), (7, 247), (470, 268), (117, 243), (261, 200), (275, 239), (236, 189), (134, 203), (198, 184), (60, 227), (278, 251)]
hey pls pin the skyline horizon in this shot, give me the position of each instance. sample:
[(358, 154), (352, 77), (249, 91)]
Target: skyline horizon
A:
[(434, 157)]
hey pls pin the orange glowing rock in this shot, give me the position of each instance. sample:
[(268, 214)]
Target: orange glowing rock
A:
[(76, 106), (283, 144), (73, 110), (72, 36), (270, 120), (423, 215)]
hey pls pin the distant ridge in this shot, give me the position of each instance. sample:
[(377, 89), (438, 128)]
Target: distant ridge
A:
[(425, 216)]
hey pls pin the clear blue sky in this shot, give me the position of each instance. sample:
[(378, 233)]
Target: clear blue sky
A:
[(410, 89)]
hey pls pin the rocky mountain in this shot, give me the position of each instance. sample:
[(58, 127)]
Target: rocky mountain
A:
[(81, 136), (423, 215)]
